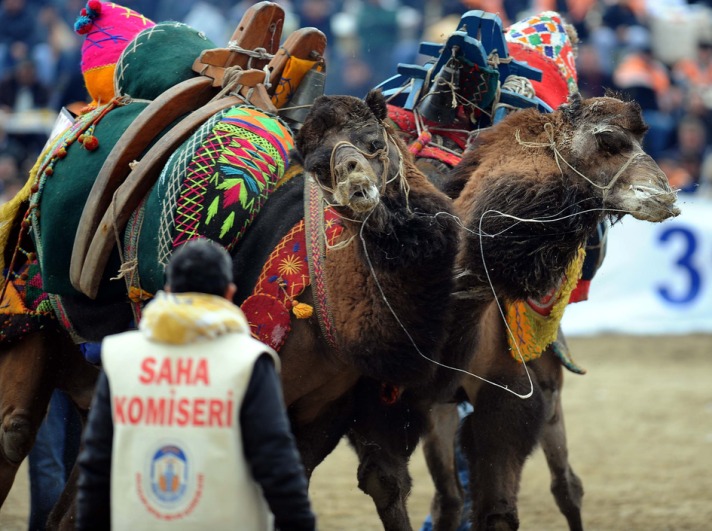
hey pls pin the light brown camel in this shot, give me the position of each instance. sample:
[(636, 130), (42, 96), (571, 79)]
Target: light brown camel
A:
[(558, 175)]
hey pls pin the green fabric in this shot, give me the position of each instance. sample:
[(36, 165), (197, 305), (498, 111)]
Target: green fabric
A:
[(62, 200), (159, 58)]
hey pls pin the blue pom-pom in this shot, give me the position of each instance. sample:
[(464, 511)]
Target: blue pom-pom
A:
[(82, 24)]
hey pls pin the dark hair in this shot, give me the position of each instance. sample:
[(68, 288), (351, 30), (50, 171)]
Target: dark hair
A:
[(200, 266)]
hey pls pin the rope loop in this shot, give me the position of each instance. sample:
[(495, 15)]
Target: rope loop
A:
[(559, 158)]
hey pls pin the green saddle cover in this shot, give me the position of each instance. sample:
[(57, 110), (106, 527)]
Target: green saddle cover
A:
[(212, 187), (62, 195)]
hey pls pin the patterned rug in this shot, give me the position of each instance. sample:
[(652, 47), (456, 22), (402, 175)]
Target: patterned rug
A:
[(212, 187)]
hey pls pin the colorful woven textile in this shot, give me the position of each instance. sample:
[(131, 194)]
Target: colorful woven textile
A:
[(212, 187), (24, 306), (534, 324), (404, 122), (541, 41), (284, 277)]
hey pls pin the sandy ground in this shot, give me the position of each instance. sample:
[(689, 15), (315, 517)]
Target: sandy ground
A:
[(640, 437)]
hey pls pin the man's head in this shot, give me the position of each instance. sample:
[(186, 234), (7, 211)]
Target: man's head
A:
[(200, 266)]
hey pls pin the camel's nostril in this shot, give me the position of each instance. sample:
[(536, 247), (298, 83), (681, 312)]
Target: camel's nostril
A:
[(19, 425), (351, 166)]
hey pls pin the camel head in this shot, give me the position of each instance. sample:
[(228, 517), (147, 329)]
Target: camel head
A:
[(346, 146), (603, 145), (537, 185)]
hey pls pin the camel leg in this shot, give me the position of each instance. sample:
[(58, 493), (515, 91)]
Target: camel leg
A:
[(318, 438), (77, 378), (439, 452), (384, 437), (27, 378), (497, 438), (566, 486)]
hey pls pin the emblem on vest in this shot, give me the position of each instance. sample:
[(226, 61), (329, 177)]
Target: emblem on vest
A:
[(171, 489)]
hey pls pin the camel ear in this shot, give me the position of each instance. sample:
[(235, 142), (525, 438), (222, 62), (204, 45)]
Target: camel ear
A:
[(573, 108), (377, 103), (316, 123)]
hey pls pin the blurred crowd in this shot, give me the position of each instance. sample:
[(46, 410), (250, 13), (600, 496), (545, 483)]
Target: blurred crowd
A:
[(659, 52)]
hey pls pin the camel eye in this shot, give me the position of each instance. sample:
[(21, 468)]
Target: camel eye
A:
[(613, 142)]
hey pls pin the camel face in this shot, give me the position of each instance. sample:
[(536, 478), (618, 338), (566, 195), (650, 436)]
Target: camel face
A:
[(345, 145), (606, 145)]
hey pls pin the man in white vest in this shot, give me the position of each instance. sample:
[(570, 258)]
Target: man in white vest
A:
[(188, 428)]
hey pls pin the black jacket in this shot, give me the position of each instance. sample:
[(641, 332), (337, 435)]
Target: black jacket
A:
[(269, 448)]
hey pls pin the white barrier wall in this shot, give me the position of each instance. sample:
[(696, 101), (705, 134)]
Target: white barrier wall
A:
[(656, 278)]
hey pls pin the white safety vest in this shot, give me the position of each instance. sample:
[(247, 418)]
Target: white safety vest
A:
[(177, 456)]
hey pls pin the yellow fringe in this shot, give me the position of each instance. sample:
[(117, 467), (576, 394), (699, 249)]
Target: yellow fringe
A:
[(533, 332), (10, 210)]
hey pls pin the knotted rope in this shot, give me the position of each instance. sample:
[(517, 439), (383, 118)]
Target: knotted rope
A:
[(559, 158)]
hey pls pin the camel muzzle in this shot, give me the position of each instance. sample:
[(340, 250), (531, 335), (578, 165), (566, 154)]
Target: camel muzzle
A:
[(355, 183), (648, 196)]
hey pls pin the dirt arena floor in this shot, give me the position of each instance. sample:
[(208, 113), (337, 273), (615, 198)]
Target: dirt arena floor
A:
[(640, 437)]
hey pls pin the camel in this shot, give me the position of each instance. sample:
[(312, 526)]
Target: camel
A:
[(559, 175), (388, 213), (441, 431)]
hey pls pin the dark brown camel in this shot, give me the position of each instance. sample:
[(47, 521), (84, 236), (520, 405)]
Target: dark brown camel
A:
[(389, 268), (558, 175)]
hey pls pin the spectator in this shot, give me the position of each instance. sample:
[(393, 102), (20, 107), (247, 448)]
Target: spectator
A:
[(696, 71), (622, 29), (22, 91), (220, 453), (17, 35), (377, 29), (683, 163), (592, 79), (646, 80)]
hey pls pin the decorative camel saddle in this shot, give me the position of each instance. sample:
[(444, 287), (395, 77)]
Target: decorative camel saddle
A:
[(177, 125)]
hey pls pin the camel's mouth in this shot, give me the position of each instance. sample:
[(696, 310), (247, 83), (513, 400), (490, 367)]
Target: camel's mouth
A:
[(650, 203), (358, 192), (656, 205)]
